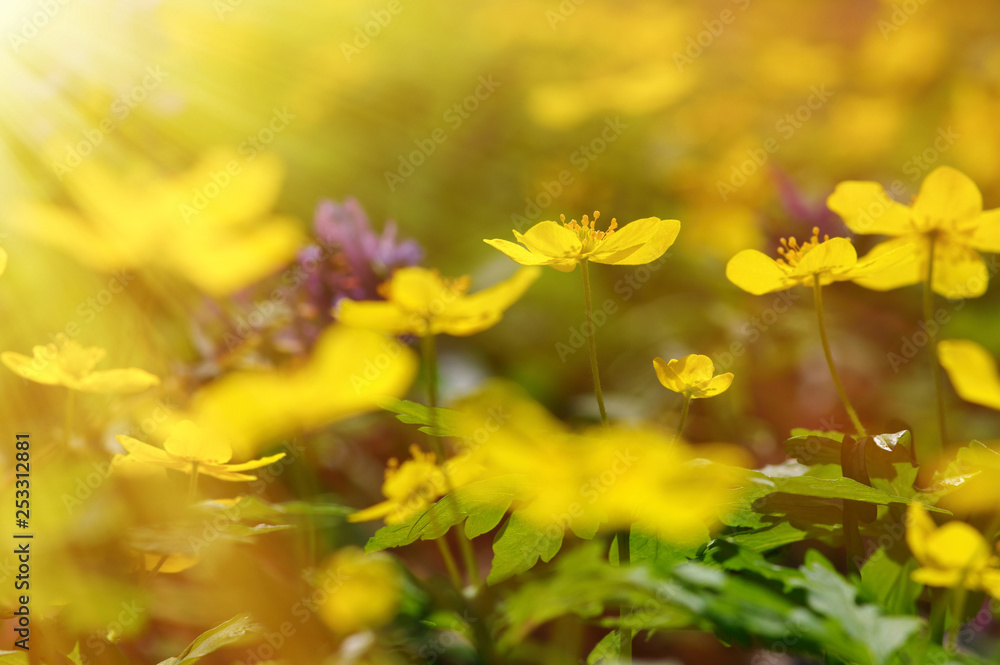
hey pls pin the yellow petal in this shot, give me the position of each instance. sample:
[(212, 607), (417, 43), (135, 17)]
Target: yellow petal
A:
[(866, 208), (145, 453), (379, 316), (937, 577), (947, 195), (552, 240), (255, 464), (667, 376), (191, 442), (904, 273), (693, 369), (919, 527), (131, 380), (416, 289), (991, 582), (972, 370), (873, 264), (519, 253), (718, 385), (986, 234), (174, 563), (757, 273), (957, 546), (349, 371), (34, 369), (959, 271), (836, 254), (476, 312), (378, 511), (637, 242)]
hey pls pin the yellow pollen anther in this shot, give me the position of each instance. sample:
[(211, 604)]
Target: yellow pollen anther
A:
[(791, 252), (587, 229)]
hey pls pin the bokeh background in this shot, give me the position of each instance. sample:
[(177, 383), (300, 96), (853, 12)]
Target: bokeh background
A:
[(464, 121)]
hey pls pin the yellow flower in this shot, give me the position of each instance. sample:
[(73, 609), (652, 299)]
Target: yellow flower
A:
[(972, 371), (420, 302), (414, 485), (72, 366), (348, 372), (211, 225), (949, 211), (952, 555), (564, 245), (362, 590), (831, 260), (692, 376), (189, 447)]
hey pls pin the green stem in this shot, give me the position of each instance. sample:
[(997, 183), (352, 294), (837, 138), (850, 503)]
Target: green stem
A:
[(624, 634), (592, 341), (939, 610), (684, 415), (818, 293), (958, 595), (465, 545), (935, 370), (449, 563)]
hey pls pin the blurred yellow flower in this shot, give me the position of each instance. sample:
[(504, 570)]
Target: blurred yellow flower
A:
[(948, 213), (363, 590), (72, 366), (952, 555), (830, 260), (211, 225), (692, 376), (972, 371), (420, 302), (348, 372), (174, 563), (414, 485), (191, 449), (564, 245)]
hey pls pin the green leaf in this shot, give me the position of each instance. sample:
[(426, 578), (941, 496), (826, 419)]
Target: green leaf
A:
[(885, 578), (829, 488), (436, 422), (483, 503), (519, 545), (660, 555), (608, 650), (212, 640)]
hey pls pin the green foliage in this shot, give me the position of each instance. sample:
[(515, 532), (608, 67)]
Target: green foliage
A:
[(226, 633)]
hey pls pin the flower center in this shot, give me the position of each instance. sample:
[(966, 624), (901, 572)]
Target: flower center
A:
[(589, 235), (791, 251)]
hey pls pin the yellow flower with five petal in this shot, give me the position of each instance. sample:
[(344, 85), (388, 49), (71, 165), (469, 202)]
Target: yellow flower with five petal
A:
[(692, 376), (192, 449), (948, 214), (563, 245), (828, 260), (953, 555), (211, 225), (72, 366), (414, 485), (420, 302)]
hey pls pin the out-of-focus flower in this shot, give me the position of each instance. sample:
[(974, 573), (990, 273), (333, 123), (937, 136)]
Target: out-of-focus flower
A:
[(348, 372), (972, 371), (952, 555), (367, 593), (830, 260), (692, 376), (420, 302), (415, 484), (564, 245), (72, 366), (948, 212), (174, 563), (211, 225), (191, 449)]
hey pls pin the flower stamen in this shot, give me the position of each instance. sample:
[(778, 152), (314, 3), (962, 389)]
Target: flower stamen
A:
[(791, 252), (586, 229)]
